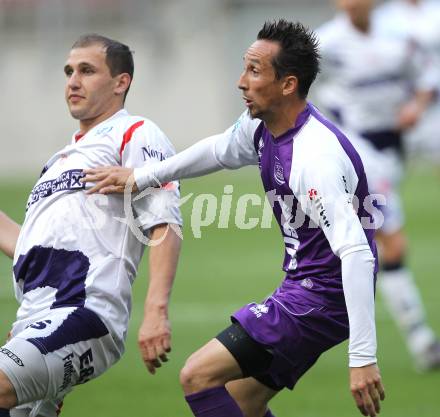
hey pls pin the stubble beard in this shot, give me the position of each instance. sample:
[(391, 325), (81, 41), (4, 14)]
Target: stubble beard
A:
[(77, 114)]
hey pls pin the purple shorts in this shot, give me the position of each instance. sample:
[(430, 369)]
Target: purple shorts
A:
[(298, 322)]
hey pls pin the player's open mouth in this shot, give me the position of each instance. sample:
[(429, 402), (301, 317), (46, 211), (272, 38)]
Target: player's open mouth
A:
[(247, 101)]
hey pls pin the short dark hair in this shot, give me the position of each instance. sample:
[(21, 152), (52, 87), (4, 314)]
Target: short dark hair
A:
[(119, 57), (298, 54)]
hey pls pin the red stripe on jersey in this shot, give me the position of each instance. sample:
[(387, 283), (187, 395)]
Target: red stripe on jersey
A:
[(169, 186), (79, 136), (128, 134)]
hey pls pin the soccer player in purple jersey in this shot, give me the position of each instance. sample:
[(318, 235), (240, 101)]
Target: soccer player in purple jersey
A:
[(315, 175), (379, 87)]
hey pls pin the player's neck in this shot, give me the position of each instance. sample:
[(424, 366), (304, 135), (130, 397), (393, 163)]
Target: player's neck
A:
[(87, 124), (285, 118)]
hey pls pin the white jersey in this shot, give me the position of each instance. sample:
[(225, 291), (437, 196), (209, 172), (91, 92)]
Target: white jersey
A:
[(77, 250), (367, 77), (421, 22)]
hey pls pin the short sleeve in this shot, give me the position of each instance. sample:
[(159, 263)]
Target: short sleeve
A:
[(143, 144)]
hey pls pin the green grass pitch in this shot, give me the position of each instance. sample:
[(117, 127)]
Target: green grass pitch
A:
[(226, 268)]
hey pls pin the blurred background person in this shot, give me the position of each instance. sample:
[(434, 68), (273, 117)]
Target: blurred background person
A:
[(378, 87), (418, 20)]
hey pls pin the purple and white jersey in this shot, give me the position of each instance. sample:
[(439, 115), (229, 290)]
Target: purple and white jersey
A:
[(317, 184), (76, 250), (402, 18), (367, 77)]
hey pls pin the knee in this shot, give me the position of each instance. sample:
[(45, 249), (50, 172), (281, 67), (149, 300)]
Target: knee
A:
[(8, 398), (192, 377)]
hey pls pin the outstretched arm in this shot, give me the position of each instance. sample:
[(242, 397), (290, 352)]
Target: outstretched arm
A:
[(154, 336), (9, 231), (232, 149), (197, 160)]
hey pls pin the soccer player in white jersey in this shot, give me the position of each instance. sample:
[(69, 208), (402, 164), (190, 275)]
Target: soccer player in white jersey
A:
[(419, 20), (76, 257), (312, 172), (378, 87)]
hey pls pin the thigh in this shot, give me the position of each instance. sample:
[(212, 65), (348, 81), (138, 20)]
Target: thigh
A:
[(66, 348), (41, 408), (24, 367), (296, 324)]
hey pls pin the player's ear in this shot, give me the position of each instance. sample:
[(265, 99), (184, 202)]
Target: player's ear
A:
[(290, 85), (122, 83)]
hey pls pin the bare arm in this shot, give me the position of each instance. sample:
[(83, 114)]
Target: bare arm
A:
[(411, 112), (9, 231), (154, 336)]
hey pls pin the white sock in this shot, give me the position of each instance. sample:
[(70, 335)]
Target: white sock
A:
[(403, 300)]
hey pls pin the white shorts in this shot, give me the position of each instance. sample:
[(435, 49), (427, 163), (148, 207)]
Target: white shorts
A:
[(384, 172), (46, 358)]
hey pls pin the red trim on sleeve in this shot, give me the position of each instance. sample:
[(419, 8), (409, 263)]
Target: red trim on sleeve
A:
[(128, 135)]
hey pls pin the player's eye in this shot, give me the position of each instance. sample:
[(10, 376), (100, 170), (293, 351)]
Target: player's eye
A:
[(68, 72), (87, 70)]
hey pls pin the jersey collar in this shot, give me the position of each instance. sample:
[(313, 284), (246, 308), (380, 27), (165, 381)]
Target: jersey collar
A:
[(77, 136), (299, 123)]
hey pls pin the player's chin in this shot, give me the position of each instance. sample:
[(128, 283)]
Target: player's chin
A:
[(253, 112), (76, 113)]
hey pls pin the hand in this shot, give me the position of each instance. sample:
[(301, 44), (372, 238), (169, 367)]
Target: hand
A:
[(367, 389), (110, 179), (408, 116), (154, 340)]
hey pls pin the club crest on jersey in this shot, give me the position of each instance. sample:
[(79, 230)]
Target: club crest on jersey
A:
[(259, 309), (104, 130), (278, 172), (63, 158)]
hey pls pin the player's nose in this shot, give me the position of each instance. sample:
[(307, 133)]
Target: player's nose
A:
[(74, 81), (241, 83)]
